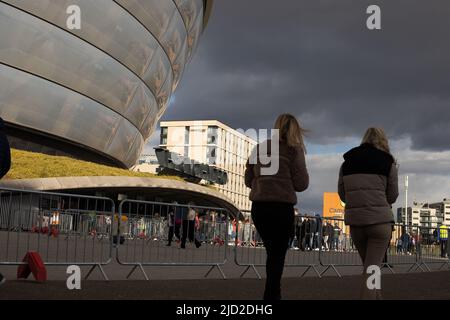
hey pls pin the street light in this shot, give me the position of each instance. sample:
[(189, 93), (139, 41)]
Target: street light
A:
[(406, 202)]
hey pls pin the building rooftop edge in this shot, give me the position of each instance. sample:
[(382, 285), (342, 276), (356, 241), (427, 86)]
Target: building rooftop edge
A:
[(173, 123)]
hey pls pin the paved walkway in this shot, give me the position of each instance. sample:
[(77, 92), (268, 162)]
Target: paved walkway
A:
[(430, 285)]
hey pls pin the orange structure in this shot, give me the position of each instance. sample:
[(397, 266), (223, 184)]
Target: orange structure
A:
[(333, 207)]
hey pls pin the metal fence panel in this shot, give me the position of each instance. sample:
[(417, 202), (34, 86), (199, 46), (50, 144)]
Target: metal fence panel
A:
[(303, 249), (198, 235), (64, 229), (433, 249)]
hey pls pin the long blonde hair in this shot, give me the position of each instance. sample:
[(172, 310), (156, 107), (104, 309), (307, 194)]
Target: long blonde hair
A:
[(290, 131), (377, 138)]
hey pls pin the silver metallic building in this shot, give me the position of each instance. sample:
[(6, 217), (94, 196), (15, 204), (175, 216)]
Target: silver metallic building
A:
[(97, 92)]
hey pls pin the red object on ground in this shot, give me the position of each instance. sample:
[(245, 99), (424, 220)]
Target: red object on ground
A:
[(34, 265), (54, 232), (219, 241), (142, 236)]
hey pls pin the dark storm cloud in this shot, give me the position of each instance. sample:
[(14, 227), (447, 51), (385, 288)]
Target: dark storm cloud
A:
[(317, 59)]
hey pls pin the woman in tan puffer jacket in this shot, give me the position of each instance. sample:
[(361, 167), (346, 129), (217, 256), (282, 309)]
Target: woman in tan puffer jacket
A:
[(273, 195)]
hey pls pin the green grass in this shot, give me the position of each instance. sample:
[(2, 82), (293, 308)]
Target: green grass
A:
[(29, 165)]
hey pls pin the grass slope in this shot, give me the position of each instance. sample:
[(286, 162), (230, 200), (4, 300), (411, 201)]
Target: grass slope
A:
[(29, 165)]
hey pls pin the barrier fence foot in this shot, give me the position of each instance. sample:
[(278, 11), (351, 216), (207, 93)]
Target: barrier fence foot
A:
[(426, 267), (254, 269), (416, 265), (332, 267), (99, 266), (142, 270), (218, 268), (445, 264), (387, 265), (311, 267)]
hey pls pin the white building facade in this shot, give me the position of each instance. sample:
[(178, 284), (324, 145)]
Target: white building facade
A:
[(426, 215), (213, 143), (442, 211)]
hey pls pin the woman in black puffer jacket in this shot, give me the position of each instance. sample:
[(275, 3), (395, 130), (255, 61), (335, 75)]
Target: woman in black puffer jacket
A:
[(368, 184)]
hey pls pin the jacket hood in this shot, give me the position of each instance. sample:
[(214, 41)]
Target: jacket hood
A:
[(2, 125)]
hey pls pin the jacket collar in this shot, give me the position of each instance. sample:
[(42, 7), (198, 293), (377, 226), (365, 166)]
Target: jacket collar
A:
[(365, 146)]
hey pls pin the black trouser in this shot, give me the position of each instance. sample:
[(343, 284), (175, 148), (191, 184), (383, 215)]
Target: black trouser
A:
[(189, 232), (174, 230), (274, 221), (171, 233), (443, 248)]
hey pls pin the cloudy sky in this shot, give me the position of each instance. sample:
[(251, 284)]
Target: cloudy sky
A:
[(318, 61)]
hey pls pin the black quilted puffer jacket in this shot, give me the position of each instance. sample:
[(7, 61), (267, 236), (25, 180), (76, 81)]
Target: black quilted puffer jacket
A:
[(368, 185)]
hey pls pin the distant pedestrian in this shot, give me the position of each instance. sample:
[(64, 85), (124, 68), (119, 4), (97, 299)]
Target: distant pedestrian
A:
[(336, 235), (399, 246), (326, 236), (368, 184), (443, 239), (308, 234), (312, 233), (302, 231), (171, 223), (292, 232), (329, 232), (5, 162), (274, 196), (189, 227)]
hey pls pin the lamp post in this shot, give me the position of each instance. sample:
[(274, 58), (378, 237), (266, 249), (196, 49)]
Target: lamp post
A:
[(406, 202)]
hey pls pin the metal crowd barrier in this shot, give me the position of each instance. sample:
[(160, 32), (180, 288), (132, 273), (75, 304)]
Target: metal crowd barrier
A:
[(81, 230), (404, 247), (168, 234), (338, 249), (433, 250), (327, 243), (303, 250), (64, 229)]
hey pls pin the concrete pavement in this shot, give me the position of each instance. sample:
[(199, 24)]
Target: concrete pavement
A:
[(430, 285)]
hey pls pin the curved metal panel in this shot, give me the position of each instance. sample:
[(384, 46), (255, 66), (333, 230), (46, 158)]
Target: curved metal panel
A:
[(58, 111), (51, 53), (103, 87), (192, 13), (107, 26), (164, 21)]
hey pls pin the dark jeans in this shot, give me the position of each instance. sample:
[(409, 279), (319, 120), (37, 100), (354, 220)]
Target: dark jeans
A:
[(444, 244), (189, 232), (274, 222), (174, 230)]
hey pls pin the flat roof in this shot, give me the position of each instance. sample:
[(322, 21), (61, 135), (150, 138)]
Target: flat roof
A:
[(105, 183)]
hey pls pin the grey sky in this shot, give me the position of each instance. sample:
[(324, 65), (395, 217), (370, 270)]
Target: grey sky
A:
[(317, 60)]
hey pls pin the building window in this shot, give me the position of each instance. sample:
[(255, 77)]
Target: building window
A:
[(163, 137), (211, 155), (212, 135), (186, 135)]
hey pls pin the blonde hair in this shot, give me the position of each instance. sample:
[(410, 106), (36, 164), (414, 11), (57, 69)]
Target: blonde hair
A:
[(377, 138), (290, 131)]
